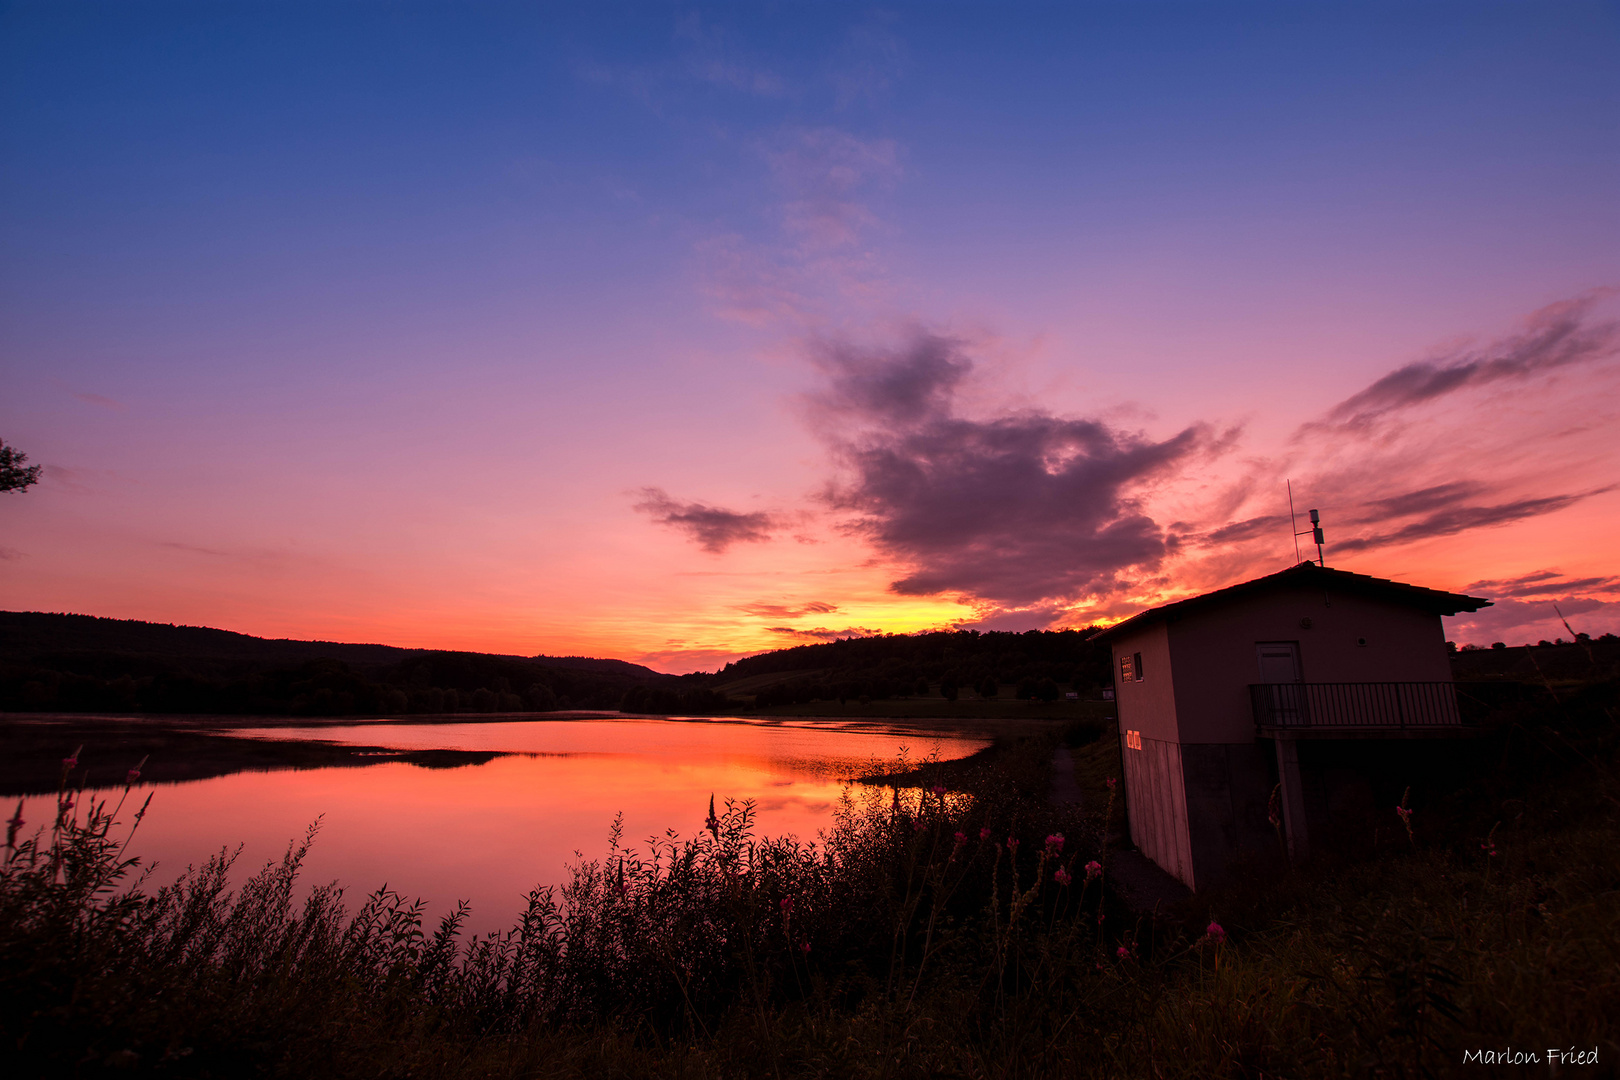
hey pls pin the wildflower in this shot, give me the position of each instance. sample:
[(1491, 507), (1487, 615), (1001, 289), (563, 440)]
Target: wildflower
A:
[(1093, 870), (1488, 847), (1122, 952), (713, 823), (804, 947), (917, 826), (1214, 932), (787, 905), (70, 763), (1111, 783), (1012, 843), (1062, 876), (961, 837), (1054, 843), (66, 804), (133, 775), (938, 789), (984, 833)]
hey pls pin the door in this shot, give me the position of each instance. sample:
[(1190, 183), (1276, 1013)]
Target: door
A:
[(1279, 670), (1279, 661)]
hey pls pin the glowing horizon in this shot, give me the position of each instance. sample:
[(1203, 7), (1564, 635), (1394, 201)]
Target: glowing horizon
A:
[(681, 337)]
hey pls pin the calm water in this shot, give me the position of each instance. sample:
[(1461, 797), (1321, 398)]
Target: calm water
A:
[(489, 833)]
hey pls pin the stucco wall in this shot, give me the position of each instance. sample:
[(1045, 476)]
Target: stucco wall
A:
[(1213, 660), (1148, 706)]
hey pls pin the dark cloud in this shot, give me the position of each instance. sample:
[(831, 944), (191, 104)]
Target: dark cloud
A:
[(784, 611), (1426, 500), (1556, 336), (1250, 529), (821, 633), (1546, 583), (713, 528), (1012, 510), (1530, 620), (1456, 519)]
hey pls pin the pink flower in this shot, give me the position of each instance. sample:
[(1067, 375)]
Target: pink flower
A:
[(938, 789), (70, 763), (134, 775), (1093, 870), (1062, 876), (961, 837), (787, 903), (1214, 932), (1054, 842), (804, 947), (1404, 812), (1122, 952), (984, 833), (1111, 783), (1012, 843)]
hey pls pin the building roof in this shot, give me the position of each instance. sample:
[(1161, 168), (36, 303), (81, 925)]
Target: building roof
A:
[(1306, 575)]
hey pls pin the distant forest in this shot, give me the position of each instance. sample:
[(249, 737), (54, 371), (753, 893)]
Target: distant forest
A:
[(79, 663)]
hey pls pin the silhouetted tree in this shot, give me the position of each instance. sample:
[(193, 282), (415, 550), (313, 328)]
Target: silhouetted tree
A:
[(14, 474)]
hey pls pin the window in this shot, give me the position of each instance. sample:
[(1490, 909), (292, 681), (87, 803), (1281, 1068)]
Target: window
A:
[(1130, 667), (1137, 659), (1133, 740)]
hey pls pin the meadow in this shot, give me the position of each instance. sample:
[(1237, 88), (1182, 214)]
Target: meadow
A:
[(952, 923)]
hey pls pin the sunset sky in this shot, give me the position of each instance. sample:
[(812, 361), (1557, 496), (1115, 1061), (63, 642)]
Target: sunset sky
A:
[(678, 333)]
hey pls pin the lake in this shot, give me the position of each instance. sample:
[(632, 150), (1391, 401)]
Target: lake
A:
[(488, 833)]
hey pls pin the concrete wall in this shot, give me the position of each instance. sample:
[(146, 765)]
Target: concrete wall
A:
[(1156, 805), (1213, 658), (1228, 789)]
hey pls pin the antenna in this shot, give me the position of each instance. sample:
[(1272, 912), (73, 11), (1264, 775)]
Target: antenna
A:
[(1293, 520), (1314, 532)]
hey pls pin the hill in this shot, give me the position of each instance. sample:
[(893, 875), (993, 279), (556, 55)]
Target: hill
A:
[(1038, 664), (81, 663)]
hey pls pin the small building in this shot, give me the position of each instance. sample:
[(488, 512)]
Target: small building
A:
[(1216, 693)]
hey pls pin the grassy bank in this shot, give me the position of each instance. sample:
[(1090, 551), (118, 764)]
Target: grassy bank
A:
[(175, 749), (937, 708), (915, 941)]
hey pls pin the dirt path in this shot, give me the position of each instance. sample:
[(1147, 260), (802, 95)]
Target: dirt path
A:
[(1065, 789)]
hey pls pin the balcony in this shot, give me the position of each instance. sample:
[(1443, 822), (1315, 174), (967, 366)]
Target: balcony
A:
[(1356, 708)]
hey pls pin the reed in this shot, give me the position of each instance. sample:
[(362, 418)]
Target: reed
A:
[(930, 931)]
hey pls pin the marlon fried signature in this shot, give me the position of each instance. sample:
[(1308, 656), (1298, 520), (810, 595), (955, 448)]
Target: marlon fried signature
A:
[(1509, 1056)]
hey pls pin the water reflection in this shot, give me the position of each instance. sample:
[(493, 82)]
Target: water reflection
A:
[(488, 833)]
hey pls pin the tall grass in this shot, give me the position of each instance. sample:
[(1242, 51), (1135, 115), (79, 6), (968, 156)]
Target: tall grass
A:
[(929, 932)]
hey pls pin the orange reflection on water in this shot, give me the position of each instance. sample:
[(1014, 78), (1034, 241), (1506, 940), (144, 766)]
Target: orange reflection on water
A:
[(489, 833)]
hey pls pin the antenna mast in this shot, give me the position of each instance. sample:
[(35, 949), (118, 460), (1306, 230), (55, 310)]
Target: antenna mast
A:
[(1314, 532), (1293, 519)]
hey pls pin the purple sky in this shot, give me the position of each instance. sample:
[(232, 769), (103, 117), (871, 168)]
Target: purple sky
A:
[(679, 333)]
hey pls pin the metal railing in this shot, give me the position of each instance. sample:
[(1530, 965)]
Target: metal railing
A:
[(1355, 705)]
